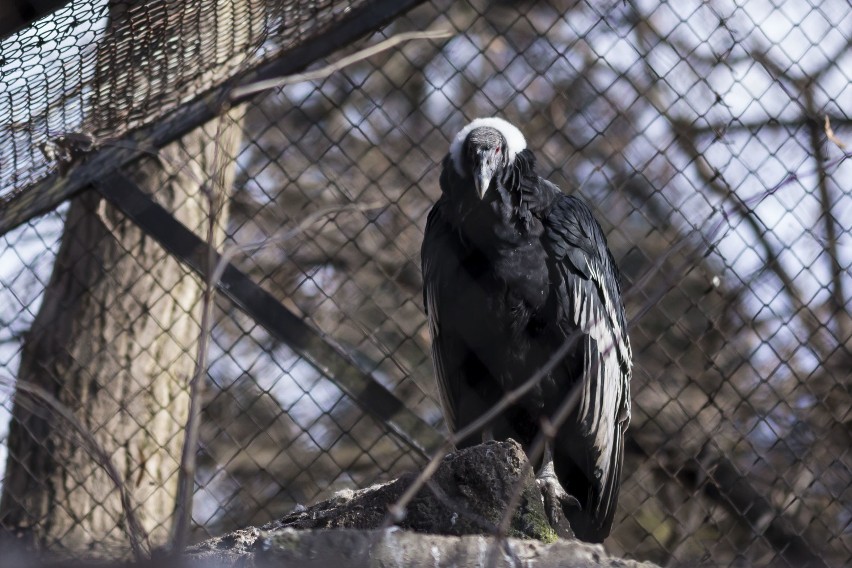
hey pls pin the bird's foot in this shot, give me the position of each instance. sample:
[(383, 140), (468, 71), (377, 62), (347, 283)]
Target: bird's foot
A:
[(556, 500)]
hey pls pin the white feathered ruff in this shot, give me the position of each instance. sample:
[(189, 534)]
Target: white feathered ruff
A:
[(515, 141)]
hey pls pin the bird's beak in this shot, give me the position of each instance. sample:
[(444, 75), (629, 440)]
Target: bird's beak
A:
[(482, 179)]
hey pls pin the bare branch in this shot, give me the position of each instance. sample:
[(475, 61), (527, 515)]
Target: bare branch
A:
[(231, 252), (259, 86), (829, 132), (685, 136), (135, 533), (545, 435), (805, 99), (396, 512), (719, 130), (830, 224), (214, 193), (183, 509)]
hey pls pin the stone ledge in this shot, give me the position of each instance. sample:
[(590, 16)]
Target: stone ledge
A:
[(448, 523)]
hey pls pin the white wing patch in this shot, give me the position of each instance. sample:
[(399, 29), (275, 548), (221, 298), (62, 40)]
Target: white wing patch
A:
[(625, 353), (606, 398), (514, 138)]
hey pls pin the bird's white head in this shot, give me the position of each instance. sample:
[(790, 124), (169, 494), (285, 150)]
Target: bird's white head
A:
[(483, 147)]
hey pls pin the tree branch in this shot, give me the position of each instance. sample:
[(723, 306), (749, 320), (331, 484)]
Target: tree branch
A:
[(815, 130), (253, 88), (685, 136)]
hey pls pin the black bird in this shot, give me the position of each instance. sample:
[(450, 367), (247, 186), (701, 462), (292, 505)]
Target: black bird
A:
[(513, 268)]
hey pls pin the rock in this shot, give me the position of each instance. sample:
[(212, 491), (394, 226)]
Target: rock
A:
[(448, 523), (467, 495), (233, 549), (395, 548)]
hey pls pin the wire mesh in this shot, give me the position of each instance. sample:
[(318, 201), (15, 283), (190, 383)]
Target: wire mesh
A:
[(708, 137)]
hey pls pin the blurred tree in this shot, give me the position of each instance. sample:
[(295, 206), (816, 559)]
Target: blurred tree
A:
[(115, 336)]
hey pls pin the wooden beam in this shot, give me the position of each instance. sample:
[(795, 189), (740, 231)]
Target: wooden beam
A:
[(328, 358)]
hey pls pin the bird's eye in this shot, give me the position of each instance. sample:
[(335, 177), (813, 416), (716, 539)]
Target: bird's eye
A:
[(498, 150)]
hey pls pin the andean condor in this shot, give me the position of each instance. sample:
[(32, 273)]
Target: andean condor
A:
[(512, 268)]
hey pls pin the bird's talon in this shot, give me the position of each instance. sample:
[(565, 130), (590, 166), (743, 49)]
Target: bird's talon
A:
[(571, 501), (556, 500), (554, 494)]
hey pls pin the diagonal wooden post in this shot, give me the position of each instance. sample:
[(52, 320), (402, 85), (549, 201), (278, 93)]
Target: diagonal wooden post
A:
[(329, 359)]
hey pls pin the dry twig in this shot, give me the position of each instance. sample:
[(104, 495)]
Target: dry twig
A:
[(135, 533), (393, 41), (829, 132)]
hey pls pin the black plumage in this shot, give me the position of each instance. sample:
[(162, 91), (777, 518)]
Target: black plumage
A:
[(512, 268)]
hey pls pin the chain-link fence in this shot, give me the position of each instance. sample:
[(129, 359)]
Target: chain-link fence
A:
[(708, 137)]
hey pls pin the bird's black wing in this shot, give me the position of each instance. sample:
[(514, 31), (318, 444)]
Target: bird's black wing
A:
[(589, 302), (439, 263)]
